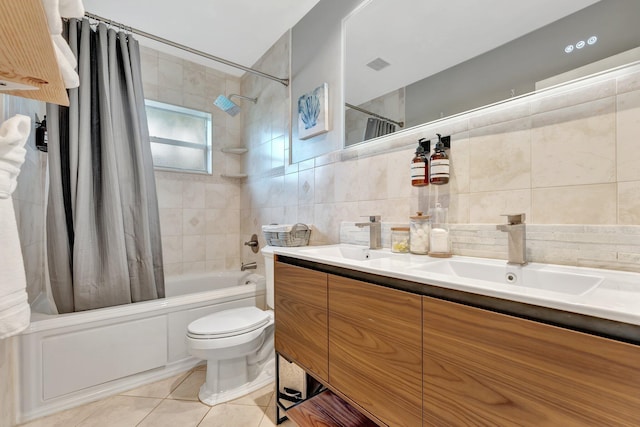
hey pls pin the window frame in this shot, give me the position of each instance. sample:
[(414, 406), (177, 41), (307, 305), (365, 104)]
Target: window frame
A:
[(207, 148)]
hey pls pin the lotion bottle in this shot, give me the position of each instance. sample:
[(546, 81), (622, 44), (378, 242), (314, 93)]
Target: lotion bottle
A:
[(420, 167), (439, 164)]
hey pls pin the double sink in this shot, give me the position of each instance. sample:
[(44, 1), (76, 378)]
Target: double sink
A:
[(606, 294)]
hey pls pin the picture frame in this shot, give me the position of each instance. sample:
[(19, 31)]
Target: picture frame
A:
[(313, 112)]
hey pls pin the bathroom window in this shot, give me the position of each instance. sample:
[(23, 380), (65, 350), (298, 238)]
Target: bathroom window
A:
[(180, 137)]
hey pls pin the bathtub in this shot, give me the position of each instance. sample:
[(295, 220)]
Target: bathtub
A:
[(70, 359)]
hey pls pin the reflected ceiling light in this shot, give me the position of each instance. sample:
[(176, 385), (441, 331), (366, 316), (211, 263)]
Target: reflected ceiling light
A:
[(590, 41)]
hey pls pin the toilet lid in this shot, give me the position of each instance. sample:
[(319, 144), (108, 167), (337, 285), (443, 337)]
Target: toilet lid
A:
[(229, 322)]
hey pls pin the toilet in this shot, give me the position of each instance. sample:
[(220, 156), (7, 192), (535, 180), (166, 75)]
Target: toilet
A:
[(237, 345)]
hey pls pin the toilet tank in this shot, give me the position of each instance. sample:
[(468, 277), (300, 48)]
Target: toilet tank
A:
[(267, 252)]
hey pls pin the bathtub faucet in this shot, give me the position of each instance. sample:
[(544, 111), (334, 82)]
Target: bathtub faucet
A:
[(248, 266)]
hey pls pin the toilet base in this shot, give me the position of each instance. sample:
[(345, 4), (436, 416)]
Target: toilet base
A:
[(264, 378)]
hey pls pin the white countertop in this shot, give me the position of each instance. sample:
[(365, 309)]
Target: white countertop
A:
[(613, 295)]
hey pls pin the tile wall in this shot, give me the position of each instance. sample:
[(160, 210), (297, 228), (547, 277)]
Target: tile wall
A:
[(567, 158), (199, 214)]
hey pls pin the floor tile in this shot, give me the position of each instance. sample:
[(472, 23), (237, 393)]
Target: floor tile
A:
[(172, 413), (260, 397), (70, 417), (160, 389), (121, 411), (227, 415), (189, 388), (269, 419)]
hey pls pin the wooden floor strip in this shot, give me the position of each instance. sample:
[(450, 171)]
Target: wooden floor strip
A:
[(327, 410)]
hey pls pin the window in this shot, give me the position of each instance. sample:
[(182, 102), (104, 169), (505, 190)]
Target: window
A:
[(180, 137)]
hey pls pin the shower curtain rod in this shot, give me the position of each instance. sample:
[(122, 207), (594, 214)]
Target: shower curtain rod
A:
[(377, 116), (186, 48)]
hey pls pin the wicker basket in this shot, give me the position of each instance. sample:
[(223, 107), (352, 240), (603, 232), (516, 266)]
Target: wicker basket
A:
[(287, 235)]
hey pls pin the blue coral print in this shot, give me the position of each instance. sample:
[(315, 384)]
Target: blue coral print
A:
[(309, 108)]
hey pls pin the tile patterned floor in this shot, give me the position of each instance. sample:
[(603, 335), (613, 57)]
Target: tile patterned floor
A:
[(172, 402)]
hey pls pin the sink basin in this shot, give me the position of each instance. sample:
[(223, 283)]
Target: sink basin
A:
[(350, 252), (530, 276)]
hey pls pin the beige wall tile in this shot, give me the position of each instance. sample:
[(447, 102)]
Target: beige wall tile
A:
[(169, 193), (583, 204), (171, 221), (171, 249), (487, 208), (575, 95), (628, 129), (193, 248), (500, 157), (372, 178), (629, 203), (574, 146), (193, 222), (459, 160), (629, 82)]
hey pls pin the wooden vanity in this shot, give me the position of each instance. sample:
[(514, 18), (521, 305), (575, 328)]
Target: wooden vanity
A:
[(405, 357)]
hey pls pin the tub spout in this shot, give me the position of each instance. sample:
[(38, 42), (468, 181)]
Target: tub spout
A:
[(248, 266)]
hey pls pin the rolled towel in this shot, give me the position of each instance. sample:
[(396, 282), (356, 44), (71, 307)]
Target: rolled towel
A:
[(71, 8), (52, 12), (14, 309), (66, 62), (13, 135)]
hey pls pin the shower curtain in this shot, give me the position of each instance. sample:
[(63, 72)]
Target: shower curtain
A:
[(103, 229)]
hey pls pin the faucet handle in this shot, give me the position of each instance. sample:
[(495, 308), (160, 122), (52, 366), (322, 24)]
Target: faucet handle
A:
[(514, 219), (372, 218)]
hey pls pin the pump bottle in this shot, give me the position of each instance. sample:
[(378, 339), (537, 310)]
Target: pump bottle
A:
[(420, 167), (439, 164)]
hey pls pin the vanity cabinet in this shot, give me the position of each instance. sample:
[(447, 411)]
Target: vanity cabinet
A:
[(375, 349), (301, 329), (486, 368)]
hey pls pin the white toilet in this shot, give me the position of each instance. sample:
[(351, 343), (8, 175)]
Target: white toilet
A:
[(237, 345)]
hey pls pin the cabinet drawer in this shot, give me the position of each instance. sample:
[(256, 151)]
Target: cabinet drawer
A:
[(485, 368), (301, 317), (375, 349)]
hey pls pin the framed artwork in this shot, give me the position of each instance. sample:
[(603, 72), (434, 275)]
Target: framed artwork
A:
[(313, 112)]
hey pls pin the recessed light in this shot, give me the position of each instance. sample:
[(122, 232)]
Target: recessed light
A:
[(592, 40), (580, 44), (568, 49)]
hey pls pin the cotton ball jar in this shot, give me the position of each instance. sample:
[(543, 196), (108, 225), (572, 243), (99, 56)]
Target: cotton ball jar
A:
[(419, 234)]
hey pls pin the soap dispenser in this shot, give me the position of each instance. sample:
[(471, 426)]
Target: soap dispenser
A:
[(420, 166), (439, 164)]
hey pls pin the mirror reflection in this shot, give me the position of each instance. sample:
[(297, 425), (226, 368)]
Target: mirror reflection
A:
[(444, 58)]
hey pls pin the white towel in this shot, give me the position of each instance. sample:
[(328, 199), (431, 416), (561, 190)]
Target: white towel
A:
[(13, 135), (66, 62), (54, 11), (14, 309)]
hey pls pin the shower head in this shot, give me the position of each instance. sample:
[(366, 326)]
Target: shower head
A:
[(228, 106)]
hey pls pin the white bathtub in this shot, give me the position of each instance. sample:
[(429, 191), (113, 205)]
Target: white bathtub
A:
[(70, 359)]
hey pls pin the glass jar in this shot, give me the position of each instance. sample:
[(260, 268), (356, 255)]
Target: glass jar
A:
[(440, 242), (400, 239), (419, 234)]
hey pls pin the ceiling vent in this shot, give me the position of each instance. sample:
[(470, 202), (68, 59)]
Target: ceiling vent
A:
[(378, 64)]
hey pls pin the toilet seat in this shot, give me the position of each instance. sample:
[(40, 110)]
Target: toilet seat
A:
[(228, 323)]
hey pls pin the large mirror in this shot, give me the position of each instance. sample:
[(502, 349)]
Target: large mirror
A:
[(409, 62)]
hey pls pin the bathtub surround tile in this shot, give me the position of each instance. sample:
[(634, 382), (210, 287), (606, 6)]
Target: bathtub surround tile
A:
[(172, 249), (171, 413), (193, 248), (574, 146), (193, 196), (171, 221), (194, 222), (169, 193), (121, 411)]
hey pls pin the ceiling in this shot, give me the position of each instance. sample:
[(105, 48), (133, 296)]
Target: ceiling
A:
[(240, 31), (435, 35)]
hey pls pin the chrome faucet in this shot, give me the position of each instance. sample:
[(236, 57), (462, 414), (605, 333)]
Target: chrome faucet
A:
[(248, 266), (516, 239), (375, 231)]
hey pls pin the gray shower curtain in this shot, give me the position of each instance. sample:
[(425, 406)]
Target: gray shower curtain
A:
[(103, 229)]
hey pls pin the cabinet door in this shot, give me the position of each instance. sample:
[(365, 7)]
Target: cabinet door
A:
[(375, 349), (301, 317), (487, 369)]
